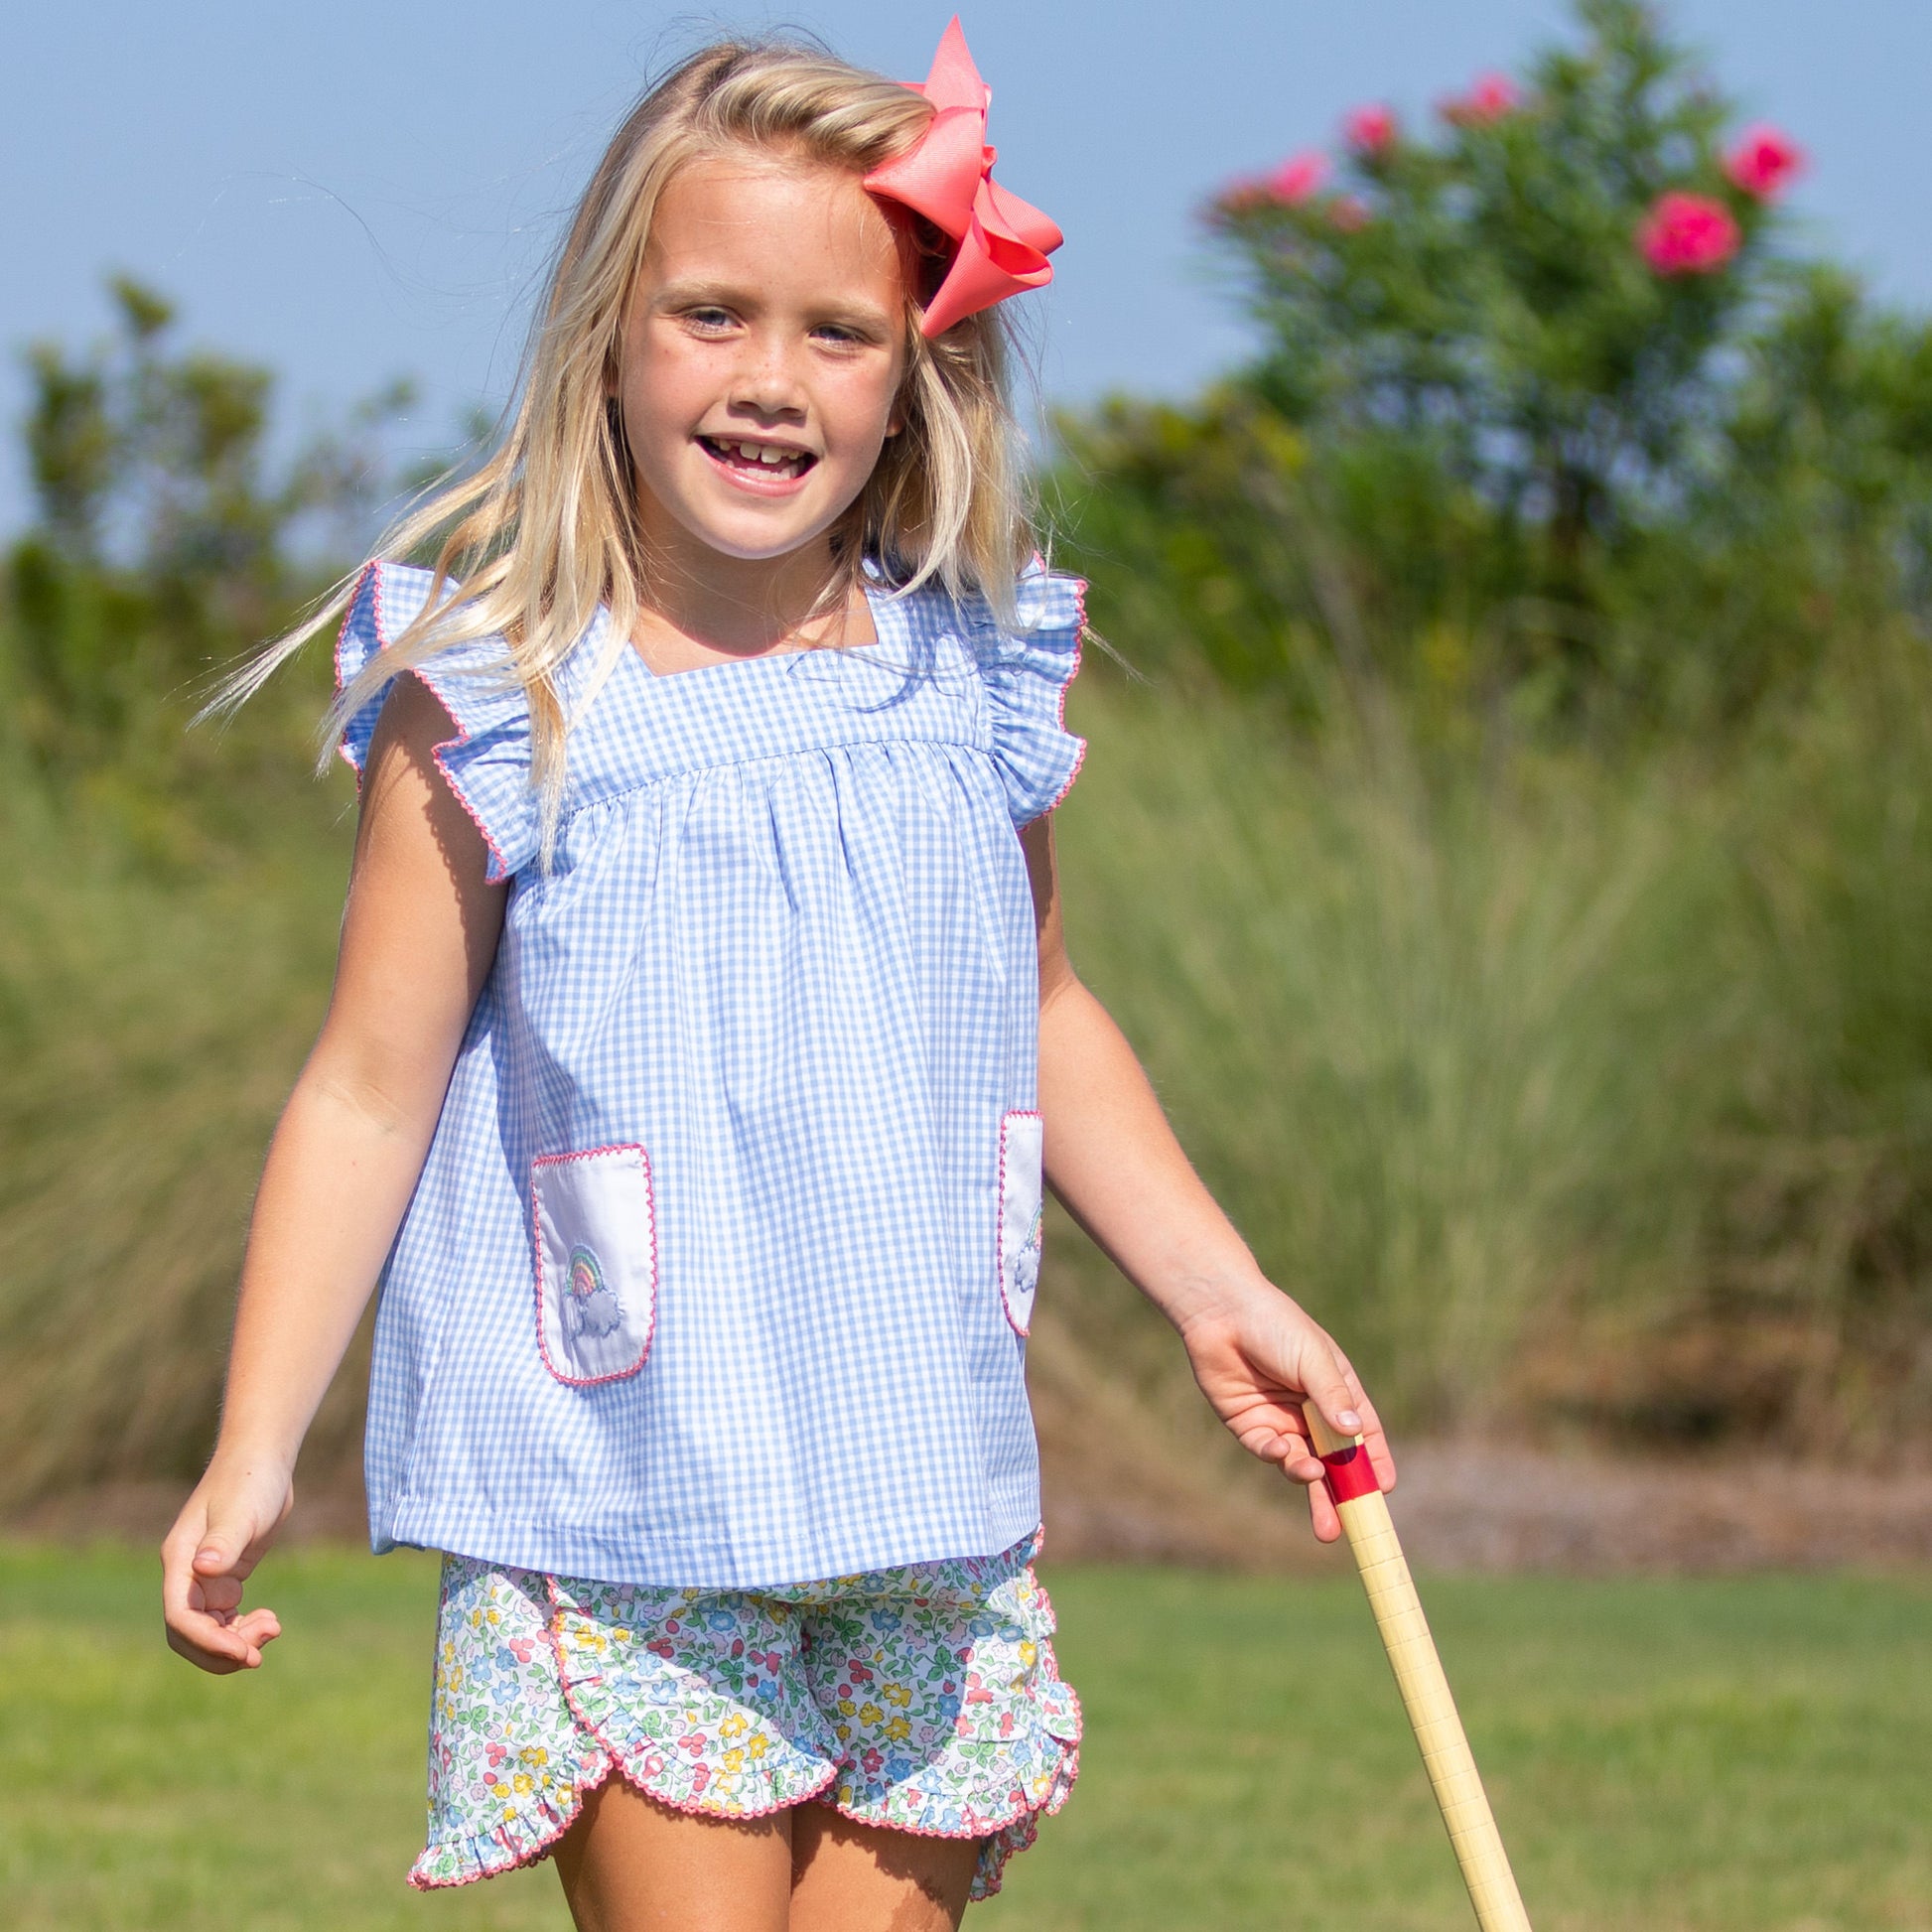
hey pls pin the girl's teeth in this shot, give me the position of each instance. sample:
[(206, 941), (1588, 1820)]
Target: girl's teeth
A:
[(768, 456)]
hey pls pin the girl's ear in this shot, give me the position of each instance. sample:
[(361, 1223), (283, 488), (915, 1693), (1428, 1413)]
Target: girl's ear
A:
[(896, 419)]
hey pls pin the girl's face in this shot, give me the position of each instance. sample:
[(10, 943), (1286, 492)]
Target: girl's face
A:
[(762, 349)]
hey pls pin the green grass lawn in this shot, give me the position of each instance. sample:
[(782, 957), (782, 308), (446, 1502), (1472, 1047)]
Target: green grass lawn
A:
[(1745, 1754)]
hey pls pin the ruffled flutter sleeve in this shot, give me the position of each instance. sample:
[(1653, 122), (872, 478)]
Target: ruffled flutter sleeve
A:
[(487, 764), (1025, 672)]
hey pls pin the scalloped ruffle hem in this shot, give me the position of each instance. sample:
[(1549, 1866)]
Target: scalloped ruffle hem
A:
[(525, 1836), (934, 1713), (531, 1832), (1005, 1836)]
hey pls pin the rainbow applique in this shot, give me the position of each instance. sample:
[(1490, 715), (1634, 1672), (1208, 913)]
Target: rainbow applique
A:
[(590, 1305)]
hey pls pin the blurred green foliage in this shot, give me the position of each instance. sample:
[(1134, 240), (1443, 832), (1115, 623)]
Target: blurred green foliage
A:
[(1490, 449), (1517, 873), (168, 542), (169, 901)]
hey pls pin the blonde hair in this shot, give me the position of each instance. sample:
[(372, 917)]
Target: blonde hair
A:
[(545, 530)]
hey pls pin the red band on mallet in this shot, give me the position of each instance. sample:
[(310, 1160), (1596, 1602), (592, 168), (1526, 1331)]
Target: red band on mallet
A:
[(1350, 1473)]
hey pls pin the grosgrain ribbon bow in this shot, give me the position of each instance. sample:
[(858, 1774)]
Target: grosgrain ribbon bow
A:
[(1000, 243)]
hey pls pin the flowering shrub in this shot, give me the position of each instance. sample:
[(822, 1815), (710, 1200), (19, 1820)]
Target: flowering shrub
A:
[(1298, 179), (1490, 99), (1371, 129), (1688, 235), (1541, 403), (1541, 289), (1763, 162)]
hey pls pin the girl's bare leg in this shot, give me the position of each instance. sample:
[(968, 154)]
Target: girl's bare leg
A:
[(852, 1877), (629, 1865)]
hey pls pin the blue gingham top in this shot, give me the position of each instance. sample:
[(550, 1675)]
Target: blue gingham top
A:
[(720, 1266)]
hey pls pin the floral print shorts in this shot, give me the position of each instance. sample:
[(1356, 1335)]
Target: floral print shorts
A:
[(924, 1698)]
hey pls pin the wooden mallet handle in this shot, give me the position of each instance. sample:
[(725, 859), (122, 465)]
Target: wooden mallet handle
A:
[(1364, 1513)]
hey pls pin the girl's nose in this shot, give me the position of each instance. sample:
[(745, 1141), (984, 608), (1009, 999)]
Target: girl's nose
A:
[(768, 380)]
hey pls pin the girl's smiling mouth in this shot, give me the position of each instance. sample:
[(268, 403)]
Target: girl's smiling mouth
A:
[(757, 465)]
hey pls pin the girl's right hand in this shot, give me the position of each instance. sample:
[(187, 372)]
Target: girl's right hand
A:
[(224, 1530)]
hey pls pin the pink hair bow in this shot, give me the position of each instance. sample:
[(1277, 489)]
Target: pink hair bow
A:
[(1000, 244)]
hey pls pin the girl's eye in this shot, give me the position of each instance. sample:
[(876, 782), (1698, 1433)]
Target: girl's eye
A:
[(709, 319)]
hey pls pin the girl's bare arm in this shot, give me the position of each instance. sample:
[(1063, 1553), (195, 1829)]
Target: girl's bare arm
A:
[(1114, 1162), (418, 939)]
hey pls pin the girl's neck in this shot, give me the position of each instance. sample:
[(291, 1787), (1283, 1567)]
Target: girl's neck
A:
[(740, 607), (711, 608)]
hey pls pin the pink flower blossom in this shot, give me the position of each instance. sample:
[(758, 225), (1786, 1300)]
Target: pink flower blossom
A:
[(1491, 97), (1764, 163), (1299, 178), (1370, 130), (1349, 212), (1297, 181), (1688, 235)]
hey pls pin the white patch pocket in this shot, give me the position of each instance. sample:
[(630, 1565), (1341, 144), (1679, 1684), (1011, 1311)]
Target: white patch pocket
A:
[(595, 1226), (1023, 1214)]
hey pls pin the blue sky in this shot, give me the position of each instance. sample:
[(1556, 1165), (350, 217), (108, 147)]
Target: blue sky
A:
[(361, 191)]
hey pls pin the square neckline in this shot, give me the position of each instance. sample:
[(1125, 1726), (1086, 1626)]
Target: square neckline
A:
[(878, 602)]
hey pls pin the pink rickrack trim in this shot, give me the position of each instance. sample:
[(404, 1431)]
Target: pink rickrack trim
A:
[(998, 1850), (521, 1842), (1012, 1831), (1006, 1831), (537, 1242), (373, 575), (1079, 655), (531, 1834), (1079, 585)]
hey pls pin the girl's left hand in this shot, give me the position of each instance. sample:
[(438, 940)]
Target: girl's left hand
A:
[(1259, 1359)]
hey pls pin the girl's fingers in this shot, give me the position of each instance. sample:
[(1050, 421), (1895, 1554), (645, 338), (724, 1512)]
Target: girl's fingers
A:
[(203, 1569), (208, 1642), (1330, 1392), (226, 1552), (218, 1640), (220, 1595), (1322, 1513), (259, 1628), (1373, 1439)]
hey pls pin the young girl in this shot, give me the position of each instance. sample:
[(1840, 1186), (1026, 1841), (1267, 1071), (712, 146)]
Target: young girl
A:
[(701, 1023)]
